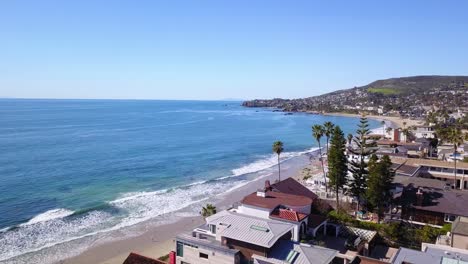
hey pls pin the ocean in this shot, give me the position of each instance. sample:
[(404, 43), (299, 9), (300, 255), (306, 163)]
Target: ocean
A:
[(71, 169)]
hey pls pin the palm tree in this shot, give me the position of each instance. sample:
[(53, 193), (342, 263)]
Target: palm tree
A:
[(383, 127), (328, 130), (457, 138), (278, 148), (404, 124), (388, 129), (317, 133), (208, 210), (406, 132)]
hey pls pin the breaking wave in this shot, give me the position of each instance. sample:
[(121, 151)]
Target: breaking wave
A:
[(268, 161), (58, 226), (49, 215)]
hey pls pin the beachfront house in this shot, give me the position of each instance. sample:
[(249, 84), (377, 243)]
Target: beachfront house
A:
[(424, 132), (230, 237), (437, 169), (430, 201), (278, 202), (266, 222)]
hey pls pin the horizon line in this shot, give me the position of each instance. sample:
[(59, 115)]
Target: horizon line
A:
[(120, 99)]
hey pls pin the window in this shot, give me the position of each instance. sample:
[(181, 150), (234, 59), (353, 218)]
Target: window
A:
[(449, 218), (203, 255), (180, 249), (213, 229)]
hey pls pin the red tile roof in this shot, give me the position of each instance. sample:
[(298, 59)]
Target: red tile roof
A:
[(273, 199), (290, 215), (291, 186), (134, 258)]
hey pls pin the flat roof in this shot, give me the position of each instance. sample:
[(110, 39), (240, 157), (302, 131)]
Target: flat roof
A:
[(273, 199), (447, 254), (460, 226), (249, 229), (404, 169), (416, 182), (205, 241), (134, 258), (406, 255), (433, 163)]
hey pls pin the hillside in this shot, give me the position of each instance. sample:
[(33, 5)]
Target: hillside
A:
[(406, 95)]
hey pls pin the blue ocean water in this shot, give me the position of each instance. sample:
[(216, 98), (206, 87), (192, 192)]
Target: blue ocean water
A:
[(69, 168)]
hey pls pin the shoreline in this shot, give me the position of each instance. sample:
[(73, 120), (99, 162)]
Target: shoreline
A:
[(396, 122), (157, 240), (155, 237)]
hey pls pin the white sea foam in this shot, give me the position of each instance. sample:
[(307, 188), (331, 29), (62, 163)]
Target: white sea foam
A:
[(54, 227), (135, 207), (49, 215), (378, 130), (268, 161)]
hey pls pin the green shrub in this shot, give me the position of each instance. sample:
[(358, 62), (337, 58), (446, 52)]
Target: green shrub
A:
[(164, 258)]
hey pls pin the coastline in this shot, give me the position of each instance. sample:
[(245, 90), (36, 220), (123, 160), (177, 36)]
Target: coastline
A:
[(155, 237), (395, 122), (157, 240)]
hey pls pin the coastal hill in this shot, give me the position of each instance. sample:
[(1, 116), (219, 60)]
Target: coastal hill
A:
[(407, 94)]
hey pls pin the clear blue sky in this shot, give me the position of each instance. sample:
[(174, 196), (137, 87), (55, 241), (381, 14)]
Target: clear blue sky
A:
[(223, 49)]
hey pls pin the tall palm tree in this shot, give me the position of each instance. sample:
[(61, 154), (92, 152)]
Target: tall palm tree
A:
[(317, 133), (406, 133), (208, 210), (388, 129), (328, 130), (278, 148), (457, 138)]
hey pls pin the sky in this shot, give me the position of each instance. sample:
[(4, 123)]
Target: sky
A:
[(210, 50)]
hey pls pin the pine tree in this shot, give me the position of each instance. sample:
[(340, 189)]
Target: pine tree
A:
[(380, 181), (337, 162), (359, 168)]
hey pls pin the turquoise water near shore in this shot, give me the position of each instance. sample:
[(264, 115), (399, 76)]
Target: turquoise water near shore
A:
[(70, 168)]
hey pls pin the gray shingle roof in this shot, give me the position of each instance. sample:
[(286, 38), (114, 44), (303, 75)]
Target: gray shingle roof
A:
[(257, 231)]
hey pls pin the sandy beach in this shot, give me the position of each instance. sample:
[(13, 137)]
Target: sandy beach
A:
[(396, 121), (158, 240)]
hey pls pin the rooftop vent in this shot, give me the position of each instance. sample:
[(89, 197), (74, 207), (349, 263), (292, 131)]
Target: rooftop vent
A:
[(259, 228), (261, 193)]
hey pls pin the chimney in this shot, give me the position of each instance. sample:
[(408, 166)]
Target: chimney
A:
[(267, 185), (419, 197), (172, 257), (396, 135)]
